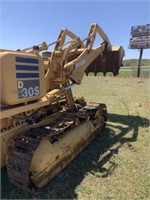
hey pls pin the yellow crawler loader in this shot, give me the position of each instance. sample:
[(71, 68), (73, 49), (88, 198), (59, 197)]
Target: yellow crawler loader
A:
[(43, 127)]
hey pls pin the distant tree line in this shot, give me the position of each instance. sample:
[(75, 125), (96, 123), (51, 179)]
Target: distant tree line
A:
[(134, 62)]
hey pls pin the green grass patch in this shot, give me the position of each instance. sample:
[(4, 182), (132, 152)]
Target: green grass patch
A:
[(132, 72), (128, 72)]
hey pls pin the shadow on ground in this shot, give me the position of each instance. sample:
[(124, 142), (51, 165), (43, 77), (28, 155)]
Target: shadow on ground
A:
[(91, 160)]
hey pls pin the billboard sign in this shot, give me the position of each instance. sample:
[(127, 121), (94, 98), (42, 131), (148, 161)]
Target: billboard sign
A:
[(140, 43), (141, 30), (140, 37)]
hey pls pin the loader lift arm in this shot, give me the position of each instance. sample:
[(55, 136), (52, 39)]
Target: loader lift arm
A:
[(75, 58), (75, 69)]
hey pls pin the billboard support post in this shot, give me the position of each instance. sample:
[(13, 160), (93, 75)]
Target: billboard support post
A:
[(139, 64)]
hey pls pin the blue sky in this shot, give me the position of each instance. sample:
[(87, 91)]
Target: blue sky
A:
[(25, 23)]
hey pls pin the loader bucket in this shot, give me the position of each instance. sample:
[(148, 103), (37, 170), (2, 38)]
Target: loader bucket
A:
[(110, 61)]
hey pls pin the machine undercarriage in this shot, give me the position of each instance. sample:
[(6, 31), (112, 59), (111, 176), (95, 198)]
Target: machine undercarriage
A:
[(36, 156)]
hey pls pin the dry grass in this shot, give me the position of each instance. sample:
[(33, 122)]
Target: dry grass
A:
[(115, 165)]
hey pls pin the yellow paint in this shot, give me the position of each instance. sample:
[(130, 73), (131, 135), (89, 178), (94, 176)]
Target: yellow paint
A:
[(47, 155)]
